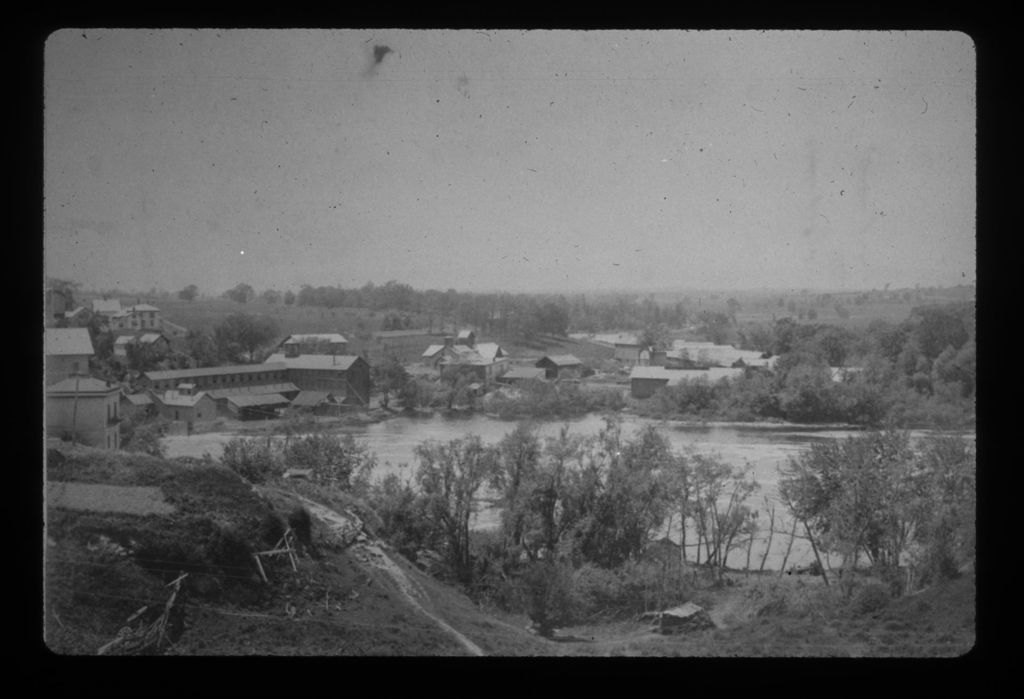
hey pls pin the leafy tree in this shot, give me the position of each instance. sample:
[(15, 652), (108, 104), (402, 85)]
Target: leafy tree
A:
[(241, 293), (254, 458), (632, 500), (390, 377), (717, 493), (856, 496), (449, 476), (189, 293), (143, 357), (938, 327), (271, 296), (202, 348), (714, 326), (241, 333), (335, 460), (734, 308), (518, 458), (289, 298)]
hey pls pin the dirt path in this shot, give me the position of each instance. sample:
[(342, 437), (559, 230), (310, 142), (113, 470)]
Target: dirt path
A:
[(369, 553)]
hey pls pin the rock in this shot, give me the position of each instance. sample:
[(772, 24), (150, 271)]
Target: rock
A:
[(687, 617)]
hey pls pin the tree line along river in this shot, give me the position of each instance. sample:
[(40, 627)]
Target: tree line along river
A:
[(763, 447)]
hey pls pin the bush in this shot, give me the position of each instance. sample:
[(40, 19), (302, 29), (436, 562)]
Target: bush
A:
[(254, 459), (870, 598), (547, 588)]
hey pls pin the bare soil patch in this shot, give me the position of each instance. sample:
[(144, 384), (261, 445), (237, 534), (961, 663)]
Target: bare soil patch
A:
[(95, 497)]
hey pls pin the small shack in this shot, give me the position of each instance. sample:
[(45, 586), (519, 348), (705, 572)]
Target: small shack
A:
[(560, 366), (317, 402), (256, 407)]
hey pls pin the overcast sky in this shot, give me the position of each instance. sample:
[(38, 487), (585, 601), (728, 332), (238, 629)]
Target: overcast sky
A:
[(509, 160)]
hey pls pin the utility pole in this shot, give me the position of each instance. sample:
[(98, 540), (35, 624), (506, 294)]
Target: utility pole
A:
[(74, 412)]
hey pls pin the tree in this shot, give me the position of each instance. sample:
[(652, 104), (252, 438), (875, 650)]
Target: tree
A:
[(333, 459), (734, 308), (633, 498), (202, 348), (242, 293), (449, 476), (289, 298), (241, 333), (189, 293), (390, 377), (856, 496), (270, 296)]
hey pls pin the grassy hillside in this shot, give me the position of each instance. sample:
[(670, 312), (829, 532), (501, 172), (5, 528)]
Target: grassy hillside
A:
[(107, 556)]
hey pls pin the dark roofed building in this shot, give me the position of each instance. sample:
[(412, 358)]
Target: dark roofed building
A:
[(346, 376), (256, 407), (560, 366)]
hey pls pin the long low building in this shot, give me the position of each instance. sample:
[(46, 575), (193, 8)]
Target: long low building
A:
[(644, 381), (212, 378)]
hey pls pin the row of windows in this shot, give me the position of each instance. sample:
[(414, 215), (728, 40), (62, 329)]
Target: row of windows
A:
[(223, 379)]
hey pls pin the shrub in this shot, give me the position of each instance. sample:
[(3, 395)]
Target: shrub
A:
[(870, 598), (547, 588), (254, 459)]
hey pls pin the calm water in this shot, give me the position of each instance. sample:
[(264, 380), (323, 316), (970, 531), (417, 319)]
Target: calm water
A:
[(762, 448)]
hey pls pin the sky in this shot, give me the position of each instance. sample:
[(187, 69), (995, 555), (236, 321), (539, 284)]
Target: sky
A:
[(509, 160)]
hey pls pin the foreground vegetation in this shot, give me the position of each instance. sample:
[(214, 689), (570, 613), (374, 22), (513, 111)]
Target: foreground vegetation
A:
[(583, 519)]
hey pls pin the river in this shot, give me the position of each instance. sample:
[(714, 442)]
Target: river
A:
[(761, 447)]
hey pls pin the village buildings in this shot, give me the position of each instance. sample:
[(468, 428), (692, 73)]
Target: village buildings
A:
[(85, 410), (462, 356), (66, 353)]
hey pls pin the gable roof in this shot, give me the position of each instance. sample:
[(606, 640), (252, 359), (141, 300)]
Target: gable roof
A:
[(246, 401), (561, 360), (143, 307), (332, 338), (106, 305), (138, 398), (220, 393), (180, 400), (214, 371), (339, 362), (84, 384), (432, 350), (67, 341), (489, 350)]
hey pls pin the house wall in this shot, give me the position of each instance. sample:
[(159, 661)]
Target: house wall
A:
[(95, 418), (627, 353), (352, 385), (645, 388), (61, 366), (204, 409)]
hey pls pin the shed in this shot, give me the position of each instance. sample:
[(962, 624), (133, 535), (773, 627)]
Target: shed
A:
[(256, 407), (557, 366)]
